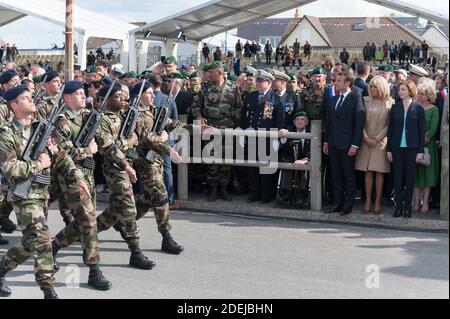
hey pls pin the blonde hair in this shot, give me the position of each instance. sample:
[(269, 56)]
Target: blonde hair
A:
[(411, 87), (382, 85), (428, 89)]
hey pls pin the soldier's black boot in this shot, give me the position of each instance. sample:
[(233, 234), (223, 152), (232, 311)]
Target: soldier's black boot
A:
[(96, 279), (55, 249), (137, 258), (169, 245), (3, 241), (4, 289), (224, 195), (49, 293), (118, 227), (213, 194), (7, 226)]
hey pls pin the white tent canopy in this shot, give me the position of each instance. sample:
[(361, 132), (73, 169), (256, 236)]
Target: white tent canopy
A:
[(87, 24)]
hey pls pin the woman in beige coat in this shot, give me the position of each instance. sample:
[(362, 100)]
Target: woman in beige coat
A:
[(372, 155)]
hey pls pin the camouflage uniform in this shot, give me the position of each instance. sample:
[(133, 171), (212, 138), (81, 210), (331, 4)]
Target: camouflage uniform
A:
[(84, 227), (121, 200), (312, 104), (221, 109), (43, 107), (5, 208), (30, 212)]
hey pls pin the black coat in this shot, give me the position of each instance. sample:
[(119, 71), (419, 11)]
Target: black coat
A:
[(415, 126), (292, 104), (360, 83), (287, 149), (252, 114), (344, 128)]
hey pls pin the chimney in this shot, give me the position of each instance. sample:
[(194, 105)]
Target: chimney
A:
[(297, 11)]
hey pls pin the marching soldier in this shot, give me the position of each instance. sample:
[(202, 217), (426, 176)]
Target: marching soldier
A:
[(84, 226), (151, 174), (119, 174), (219, 104), (30, 206), (8, 79), (289, 100), (262, 109)]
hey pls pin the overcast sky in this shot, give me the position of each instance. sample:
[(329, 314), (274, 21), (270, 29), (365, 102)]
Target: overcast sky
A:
[(152, 10)]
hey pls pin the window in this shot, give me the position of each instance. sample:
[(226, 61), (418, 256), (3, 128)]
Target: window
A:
[(358, 27)]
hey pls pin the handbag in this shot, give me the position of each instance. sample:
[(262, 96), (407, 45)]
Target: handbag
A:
[(426, 159)]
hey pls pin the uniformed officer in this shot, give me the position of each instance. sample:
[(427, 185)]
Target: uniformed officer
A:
[(154, 194), (219, 104), (84, 226), (262, 110), (30, 204), (312, 97), (119, 174), (290, 100)]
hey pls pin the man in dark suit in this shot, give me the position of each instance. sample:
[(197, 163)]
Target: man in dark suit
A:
[(262, 110), (343, 132), (362, 71)]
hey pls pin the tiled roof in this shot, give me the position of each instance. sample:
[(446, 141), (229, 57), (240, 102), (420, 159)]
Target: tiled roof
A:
[(338, 32), (261, 28)]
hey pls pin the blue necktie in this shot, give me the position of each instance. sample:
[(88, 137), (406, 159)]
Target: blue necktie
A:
[(339, 105)]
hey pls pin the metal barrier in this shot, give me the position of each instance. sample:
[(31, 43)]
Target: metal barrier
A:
[(314, 167)]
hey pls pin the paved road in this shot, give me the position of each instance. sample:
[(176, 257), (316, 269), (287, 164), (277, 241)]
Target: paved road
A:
[(236, 257)]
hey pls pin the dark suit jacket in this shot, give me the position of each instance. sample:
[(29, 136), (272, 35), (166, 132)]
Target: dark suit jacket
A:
[(362, 85), (252, 114), (287, 150), (344, 128), (415, 126)]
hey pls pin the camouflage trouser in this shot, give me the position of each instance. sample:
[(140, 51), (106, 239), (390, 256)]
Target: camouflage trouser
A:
[(121, 203), (155, 194), (218, 175), (36, 241), (57, 194), (84, 227)]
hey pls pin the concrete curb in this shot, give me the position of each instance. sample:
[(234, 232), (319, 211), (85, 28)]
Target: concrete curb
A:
[(356, 219)]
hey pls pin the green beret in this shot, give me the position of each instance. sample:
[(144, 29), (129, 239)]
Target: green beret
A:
[(292, 75), (233, 78), (301, 113), (216, 65), (386, 67), (170, 60), (194, 74), (175, 75), (131, 74), (91, 69), (37, 79), (318, 70), (205, 68)]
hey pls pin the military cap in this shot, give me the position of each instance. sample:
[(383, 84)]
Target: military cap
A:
[(131, 74), (216, 65), (135, 90), (205, 68), (184, 67), (233, 78), (386, 68), (105, 89), (417, 70), (77, 67), (175, 75), (194, 74), (170, 60), (292, 75), (37, 79), (117, 68), (14, 92), (402, 71), (50, 76), (250, 71), (264, 76), (298, 114), (7, 75), (278, 75), (72, 86), (318, 70), (91, 69)]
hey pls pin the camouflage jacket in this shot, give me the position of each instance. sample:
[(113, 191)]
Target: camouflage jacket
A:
[(110, 145), (13, 140), (144, 127), (5, 115), (221, 108), (312, 103), (45, 105), (67, 128)]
